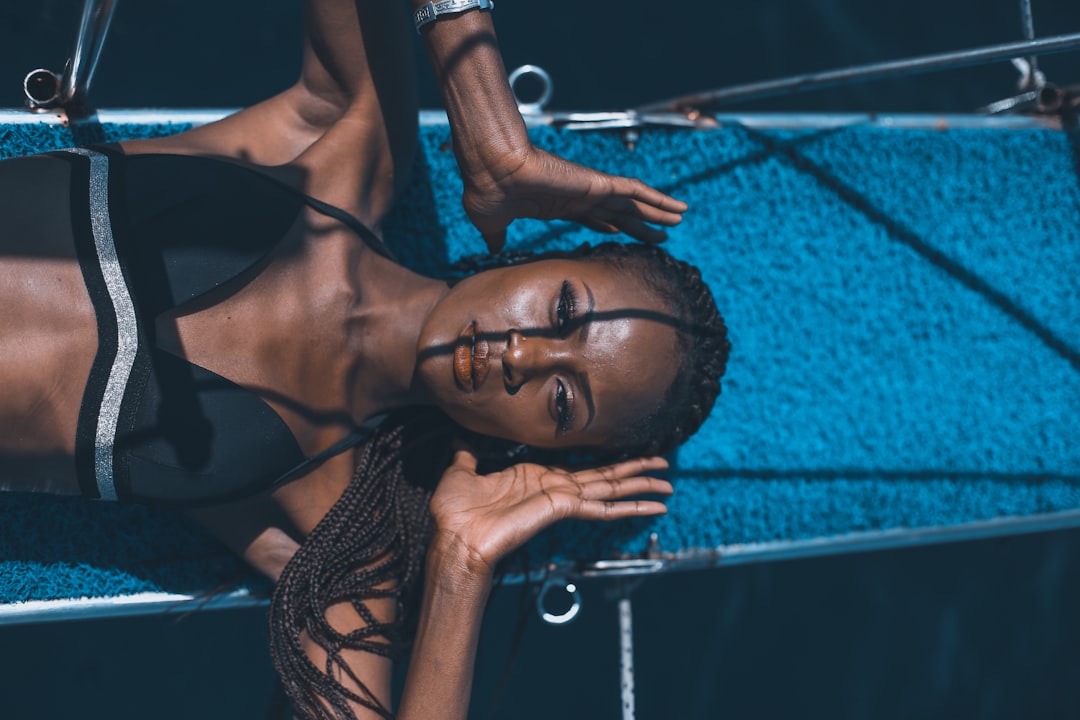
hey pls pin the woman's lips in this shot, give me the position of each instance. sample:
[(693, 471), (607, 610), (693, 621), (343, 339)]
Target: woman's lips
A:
[(470, 359)]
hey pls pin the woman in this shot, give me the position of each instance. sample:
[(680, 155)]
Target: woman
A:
[(211, 332)]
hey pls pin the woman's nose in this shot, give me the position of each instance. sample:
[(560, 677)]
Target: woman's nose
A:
[(527, 357)]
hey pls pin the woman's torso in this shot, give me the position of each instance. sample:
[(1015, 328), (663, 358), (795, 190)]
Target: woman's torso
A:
[(241, 293)]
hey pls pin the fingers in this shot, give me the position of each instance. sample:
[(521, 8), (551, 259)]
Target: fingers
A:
[(598, 510), (623, 202), (495, 241), (464, 459), (624, 207), (636, 189), (601, 495), (646, 197), (638, 230), (623, 488), (624, 469), (598, 226), (634, 207), (632, 199)]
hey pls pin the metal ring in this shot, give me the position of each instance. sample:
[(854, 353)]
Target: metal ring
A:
[(575, 605), (537, 106), (42, 87)]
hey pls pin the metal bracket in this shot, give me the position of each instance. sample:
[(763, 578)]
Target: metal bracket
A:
[(1036, 95), (631, 122), (534, 107), (565, 616), (1049, 99), (45, 89)]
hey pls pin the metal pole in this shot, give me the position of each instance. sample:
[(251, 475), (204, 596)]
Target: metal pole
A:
[(79, 72), (876, 71), (1027, 26), (626, 656), (1028, 21)]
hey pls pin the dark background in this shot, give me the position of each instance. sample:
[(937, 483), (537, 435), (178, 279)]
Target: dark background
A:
[(602, 54), (971, 630), (968, 630)]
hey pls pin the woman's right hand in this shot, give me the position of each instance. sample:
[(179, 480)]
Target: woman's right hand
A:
[(532, 183), (479, 519)]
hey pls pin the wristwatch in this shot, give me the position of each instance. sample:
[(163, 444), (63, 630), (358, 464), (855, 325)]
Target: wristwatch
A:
[(432, 11)]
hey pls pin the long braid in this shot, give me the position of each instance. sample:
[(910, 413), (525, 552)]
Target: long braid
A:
[(370, 545), (373, 541)]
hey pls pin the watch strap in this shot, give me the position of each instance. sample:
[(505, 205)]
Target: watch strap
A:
[(429, 12)]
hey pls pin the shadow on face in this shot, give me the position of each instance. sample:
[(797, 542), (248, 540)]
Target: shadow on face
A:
[(556, 353)]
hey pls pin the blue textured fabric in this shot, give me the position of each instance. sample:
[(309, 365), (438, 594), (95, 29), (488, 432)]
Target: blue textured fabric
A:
[(904, 313)]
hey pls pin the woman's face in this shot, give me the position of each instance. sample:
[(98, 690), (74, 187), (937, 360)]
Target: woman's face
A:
[(556, 353)]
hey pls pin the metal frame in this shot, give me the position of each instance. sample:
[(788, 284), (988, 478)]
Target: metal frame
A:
[(146, 603), (864, 73), (1035, 93), (70, 89), (653, 562), (574, 121), (625, 575)]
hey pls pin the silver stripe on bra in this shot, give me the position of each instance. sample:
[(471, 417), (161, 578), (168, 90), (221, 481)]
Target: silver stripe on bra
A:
[(126, 323)]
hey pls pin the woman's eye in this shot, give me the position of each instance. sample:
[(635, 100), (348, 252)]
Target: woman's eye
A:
[(563, 411), (566, 308)]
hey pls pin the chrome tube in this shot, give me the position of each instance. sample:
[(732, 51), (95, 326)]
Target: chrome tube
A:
[(626, 657), (1028, 22), (874, 71), (1027, 27), (42, 88), (144, 603), (79, 72)]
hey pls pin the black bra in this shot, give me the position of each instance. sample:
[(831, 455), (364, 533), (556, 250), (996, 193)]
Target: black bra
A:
[(153, 232)]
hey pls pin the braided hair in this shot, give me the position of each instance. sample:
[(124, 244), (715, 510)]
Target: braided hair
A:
[(373, 541)]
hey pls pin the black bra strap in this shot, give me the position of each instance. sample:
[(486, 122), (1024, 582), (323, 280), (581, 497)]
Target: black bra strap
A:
[(348, 221), (356, 437), (332, 211)]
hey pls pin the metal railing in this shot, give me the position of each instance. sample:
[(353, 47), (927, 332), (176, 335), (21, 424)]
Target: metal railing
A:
[(873, 71)]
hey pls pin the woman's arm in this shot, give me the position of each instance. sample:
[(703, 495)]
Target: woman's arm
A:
[(440, 676), (479, 519), (347, 126), (505, 176)]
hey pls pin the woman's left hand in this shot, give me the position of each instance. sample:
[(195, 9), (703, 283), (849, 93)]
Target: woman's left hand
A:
[(482, 518), (536, 184)]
